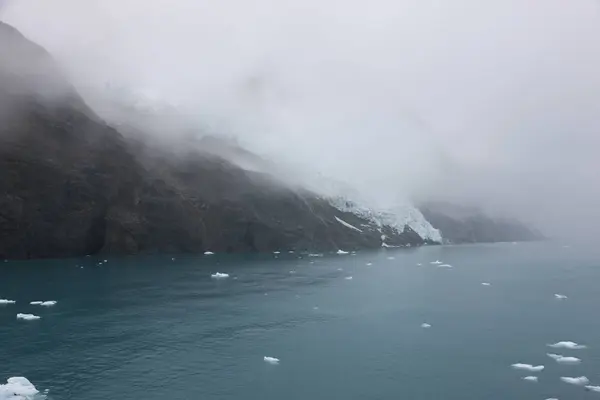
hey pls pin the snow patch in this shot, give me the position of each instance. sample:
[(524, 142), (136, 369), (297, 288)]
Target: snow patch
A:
[(347, 225)]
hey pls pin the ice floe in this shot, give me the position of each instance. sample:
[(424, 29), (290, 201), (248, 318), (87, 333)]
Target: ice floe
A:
[(436, 262), (347, 225), (593, 388), (567, 345), (528, 367), (444, 266), (27, 317), (6, 301), (391, 258), (560, 296), (36, 303), (485, 284), (271, 360), (340, 251), (368, 264), (348, 278), (419, 264), (208, 253), (47, 303), (564, 360), (276, 252), (219, 275), (17, 388), (425, 325), (580, 380), (530, 378)]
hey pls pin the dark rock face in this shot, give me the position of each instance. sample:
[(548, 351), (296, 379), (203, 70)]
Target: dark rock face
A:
[(467, 225), (71, 185)]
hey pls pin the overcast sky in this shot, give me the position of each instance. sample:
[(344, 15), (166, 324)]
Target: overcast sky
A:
[(493, 101)]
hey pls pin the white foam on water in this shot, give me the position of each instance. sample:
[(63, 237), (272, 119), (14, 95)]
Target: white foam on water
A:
[(18, 388), (219, 275), (340, 251), (567, 345), (348, 278), (564, 360), (271, 360), (593, 388), (580, 380), (208, 253), (347, 225), (27, 317), (418, 265), (425, 325), (6, 301), (560, 296), (485, 284), (391, 258), (531, 378), (528, 367)]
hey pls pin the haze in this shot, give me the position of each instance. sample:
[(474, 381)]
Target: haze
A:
[(495, 103)]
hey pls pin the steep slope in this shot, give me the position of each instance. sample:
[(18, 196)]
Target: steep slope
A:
[(72, 185)]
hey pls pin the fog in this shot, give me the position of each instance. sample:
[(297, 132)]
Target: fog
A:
[(494, 103)]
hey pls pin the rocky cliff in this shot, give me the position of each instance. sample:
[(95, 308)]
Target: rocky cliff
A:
[(71, 185)]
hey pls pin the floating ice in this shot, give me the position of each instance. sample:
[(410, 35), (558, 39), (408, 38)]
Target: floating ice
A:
[(208, 253), (219, 275), (271, 360), (425, 325), (36, 303), (391, 258), (444, 266), (291, 251), (369, 264), (347, 225), (6, 301), (436, 262), (418, 265), (340, 269), (560, 296), (342, 252), (348, 278), (593, 388), (27, 317), (531, 378), (580, 380), (485, 284), (48, 303), (315, 308), (316, 255), (567, 345), (528, 367), (276, 252), (17, 388), (564, 360), (292, 272)]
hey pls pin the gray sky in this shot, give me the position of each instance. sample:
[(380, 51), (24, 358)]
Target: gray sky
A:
[(494, 101)]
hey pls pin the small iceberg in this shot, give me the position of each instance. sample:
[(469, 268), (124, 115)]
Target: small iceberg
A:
[(17, 388), (580, 380), (276, 252), (444, 266), (425, 325), (348, 278), (208, 253), (36, 303), (531, 378), (340, 251), (27, 317), (564, 360), (219, 275), (317, 254), (528, 367), (593, 388), (48, 303), (567, 345), (436, 262), (560, 296), (485, 284), (6, 301), (271, 360), (368, 264)]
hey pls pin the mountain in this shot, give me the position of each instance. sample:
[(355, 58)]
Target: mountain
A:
[(71, 184), (462, 224)]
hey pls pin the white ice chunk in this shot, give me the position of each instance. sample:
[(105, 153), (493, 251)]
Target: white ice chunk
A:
[(219, 275), (48, 303), (348, 278), (528, 367), (444, 266), (208, 253), (560, 296), (567, 345), (271, 360), (17, 388), (6, 301), (593, 388), (531, 378), (347, 225), (485, 284), (580, 380), (436, 262), (36, 303), (368, 264), (391, 258), (340, 251), (564, 360), (425, 325), (27, 317), (276, 252)]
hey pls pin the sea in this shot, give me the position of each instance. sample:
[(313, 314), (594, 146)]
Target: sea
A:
[(436, 322)]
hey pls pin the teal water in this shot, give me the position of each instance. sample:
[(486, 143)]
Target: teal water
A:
[(154, 328)]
